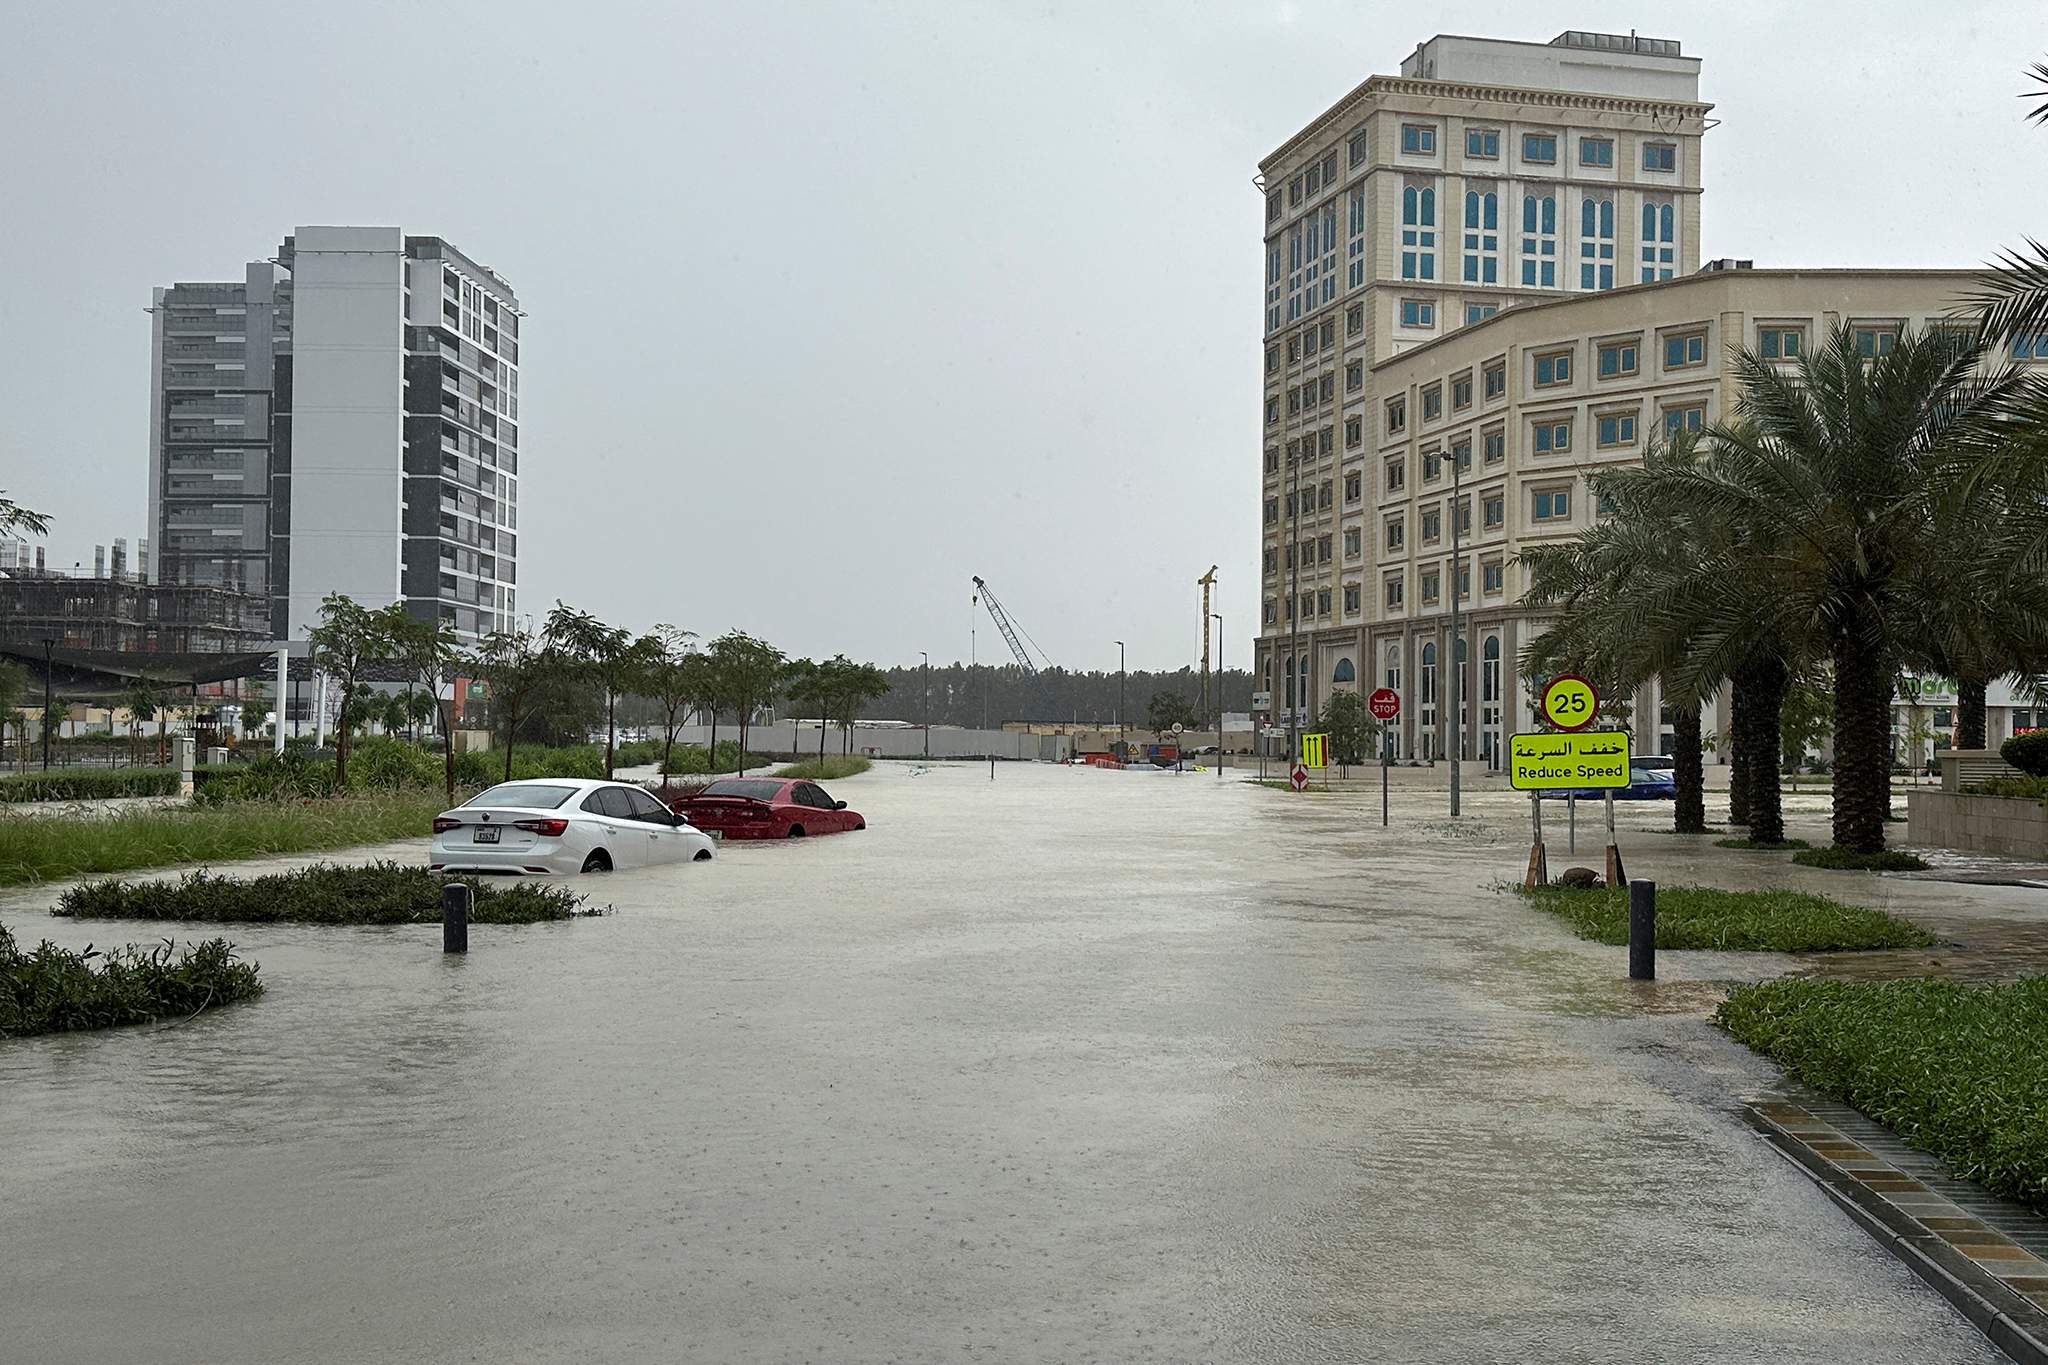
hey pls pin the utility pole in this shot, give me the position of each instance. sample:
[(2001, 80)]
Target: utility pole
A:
[(1294, 700), (1120, 755), (1217, 617), (927, 705), (1457, 639), (48, 645)]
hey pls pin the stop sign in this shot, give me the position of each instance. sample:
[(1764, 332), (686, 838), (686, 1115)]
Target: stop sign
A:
[(1384, 703)]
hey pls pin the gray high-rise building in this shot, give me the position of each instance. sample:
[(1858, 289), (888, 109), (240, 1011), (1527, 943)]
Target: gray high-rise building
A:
[(343, 419)]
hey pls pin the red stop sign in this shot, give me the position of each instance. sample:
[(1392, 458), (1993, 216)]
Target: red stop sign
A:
[(1384, 703)]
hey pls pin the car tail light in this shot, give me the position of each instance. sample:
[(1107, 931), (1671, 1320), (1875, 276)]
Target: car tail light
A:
[(442, 824), (547, 827)]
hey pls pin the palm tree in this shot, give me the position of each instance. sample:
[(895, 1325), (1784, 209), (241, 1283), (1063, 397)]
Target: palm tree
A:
[(1830, 486)]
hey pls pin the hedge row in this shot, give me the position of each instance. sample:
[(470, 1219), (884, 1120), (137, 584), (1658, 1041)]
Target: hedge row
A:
[(376, 893), (87, 784), (53, 990)]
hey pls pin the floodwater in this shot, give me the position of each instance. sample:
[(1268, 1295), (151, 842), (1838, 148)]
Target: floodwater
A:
[(1069, 1065)]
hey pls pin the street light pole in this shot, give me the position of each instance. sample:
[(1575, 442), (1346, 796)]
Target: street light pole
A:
[(48, 645), (1217, 617), (927, 705), (1457, 639), (1120, 755)]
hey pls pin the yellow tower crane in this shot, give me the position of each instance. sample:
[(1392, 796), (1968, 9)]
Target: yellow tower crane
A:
[(1206, 582)]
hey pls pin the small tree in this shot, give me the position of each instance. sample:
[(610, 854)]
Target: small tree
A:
[(853, 687), (512, 666), (607, 656), (804, 683), (1352, 731), (348, 639), (1806, 717), (753, 673), (669, 676), (432, 652), (1168, 709)]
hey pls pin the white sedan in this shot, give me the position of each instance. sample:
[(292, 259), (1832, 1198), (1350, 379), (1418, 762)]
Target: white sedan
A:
[(553, 826)]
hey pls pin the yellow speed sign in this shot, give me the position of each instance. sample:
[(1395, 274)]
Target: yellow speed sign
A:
[(1569, 702)]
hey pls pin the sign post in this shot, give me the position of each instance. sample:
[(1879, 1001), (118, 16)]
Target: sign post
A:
[(1570, 760), (1384, 704)]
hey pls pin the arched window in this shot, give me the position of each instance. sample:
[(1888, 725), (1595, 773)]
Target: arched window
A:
[(1482, 237), (1596, 244), (1660, 240), (1418, 233), (1539, 240), (1287, 667), (1391, 677), (1344, 672), (1489, 678)]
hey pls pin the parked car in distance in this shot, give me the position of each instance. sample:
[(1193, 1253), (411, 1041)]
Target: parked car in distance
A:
[(767, 808), (1644, 784), (552, 827), (1654, 761)]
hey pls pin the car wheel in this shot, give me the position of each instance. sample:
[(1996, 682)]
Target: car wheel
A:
[(796, 831), (598, 861), (861, 825), (703, 856)]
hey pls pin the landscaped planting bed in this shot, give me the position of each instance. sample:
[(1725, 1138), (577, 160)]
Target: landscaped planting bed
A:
[(1958, 1071), (87, 784), (829, 768), (54, 990), (375, 893), (1756, 921)]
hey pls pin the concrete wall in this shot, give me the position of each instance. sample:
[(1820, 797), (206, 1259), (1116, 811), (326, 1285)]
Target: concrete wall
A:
[(348, 423), (1980, 824)]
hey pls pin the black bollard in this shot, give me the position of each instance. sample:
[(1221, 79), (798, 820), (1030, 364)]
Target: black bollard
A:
[(1642, 931), (455, 918)]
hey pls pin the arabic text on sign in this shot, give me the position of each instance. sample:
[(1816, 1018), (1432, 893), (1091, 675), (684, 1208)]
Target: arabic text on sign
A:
[(1587, 758)]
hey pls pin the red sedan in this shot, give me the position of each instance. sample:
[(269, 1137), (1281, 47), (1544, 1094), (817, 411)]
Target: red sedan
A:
[(766, 808)]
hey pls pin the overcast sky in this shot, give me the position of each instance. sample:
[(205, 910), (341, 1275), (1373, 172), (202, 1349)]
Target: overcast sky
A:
[(832, 307)]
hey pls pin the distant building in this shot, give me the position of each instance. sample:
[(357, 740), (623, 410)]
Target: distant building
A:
[(124, 615), (345, 418)]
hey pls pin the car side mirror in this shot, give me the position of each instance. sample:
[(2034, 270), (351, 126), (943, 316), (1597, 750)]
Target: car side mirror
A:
[(838, 805)]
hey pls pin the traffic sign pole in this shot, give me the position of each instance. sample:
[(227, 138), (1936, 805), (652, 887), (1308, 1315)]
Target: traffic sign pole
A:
[(1384, 704)]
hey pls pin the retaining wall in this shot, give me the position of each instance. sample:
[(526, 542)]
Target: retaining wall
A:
[(1981, 824)]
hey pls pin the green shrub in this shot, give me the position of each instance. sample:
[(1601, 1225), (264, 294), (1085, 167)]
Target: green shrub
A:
[(1706, 917), (374, 893), (1846, 860), (692, 760), (87, 784), (2013, 788), (2027, 752), (53, 990), (829, 768), (292, 776), (1751, 843), (1956, 1070), (41, 847)]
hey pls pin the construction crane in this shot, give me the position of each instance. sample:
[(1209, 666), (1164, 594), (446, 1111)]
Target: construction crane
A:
[(1206, 582), (1010, 629)]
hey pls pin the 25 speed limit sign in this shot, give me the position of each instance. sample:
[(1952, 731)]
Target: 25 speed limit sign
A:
[(1569, 702)]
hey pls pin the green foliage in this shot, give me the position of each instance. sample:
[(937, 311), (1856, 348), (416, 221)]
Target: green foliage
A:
[(374, 893), (1849, 860), (1956, 1070), (1806, 717), (2027, 752), (1168, 709), (87, 784), (1352, 730), (15, 517), (43, 847), (828, 768), (1751, 921), (1771, 848), (691, 760), (54, 990), (2012, 788)]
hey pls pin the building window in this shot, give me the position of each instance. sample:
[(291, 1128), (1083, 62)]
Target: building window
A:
[(1596, 243), (2030, 346), (1272, 510), (1462, 514), (1322, 601), (1397, 475), (1660, 156), (1553, 504), (1612, 429), (1354, 376), (1596, 151), (1350, 597), (1493, 445), (1272, 359), (1354, 486), (1418, 313), (1351, 543), (1539, 148), (1479, 312), (1294, 350), (1272, 411), (1326, 387), (1418, 139), (1323, 439), (1539, 240), (1617, 358), (1300, 398), (1432, 465), (1397, 415), (1272, 460), (1690, 417), (1493, 511), (1660, 240), (1329, 332), (1492, 578), (1308, 341), (1418, 232), (1395, 591), (1874, 340), (1358, 148), (1276, 204), (1354, 320), (1432, 402), (1354, 247), (1272, 612), (1782, 343), (1461, 451), (1432, 525), (1553, 436), (1325, 496), (1272, 559), (1432, 587), (1397, 536), (1687, 350), (1461, 391), (1483, 143), (1482, 236), (1495, 379), (1553, 369), (1464, 591), (1354, 432)]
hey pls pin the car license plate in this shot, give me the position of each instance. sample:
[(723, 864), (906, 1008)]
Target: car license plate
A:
[(487, 834)]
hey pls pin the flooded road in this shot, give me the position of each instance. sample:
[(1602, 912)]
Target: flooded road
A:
[(1067, 1066)]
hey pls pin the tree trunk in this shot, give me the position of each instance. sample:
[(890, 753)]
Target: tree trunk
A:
[(668, 746), (511, 729), (1689, 816), (1738, 749), (741, 759), (1863, 685), (611, 702), (447, 718), (711, 758), (1970, 713), (1763, 714), (821, 739)]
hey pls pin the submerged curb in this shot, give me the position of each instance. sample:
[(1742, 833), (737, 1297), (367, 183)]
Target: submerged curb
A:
[(1951, 1249)]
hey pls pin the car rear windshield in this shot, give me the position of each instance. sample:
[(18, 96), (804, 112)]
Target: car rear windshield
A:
[(753, 788), (527, 795)]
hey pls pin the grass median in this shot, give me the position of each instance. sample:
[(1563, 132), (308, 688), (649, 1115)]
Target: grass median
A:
[(37, 848), (1958, 1071), (373, 893), (1743, 921), (827, 769)]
